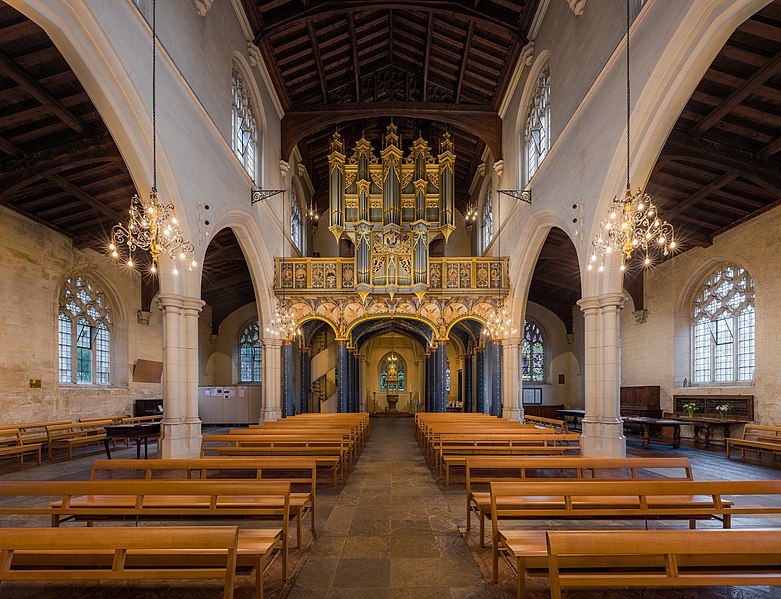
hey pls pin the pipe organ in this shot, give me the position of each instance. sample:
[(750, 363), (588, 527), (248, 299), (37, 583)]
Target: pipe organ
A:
[(391, 207)]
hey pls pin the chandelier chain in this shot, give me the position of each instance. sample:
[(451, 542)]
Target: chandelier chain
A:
[(628, 97), (154, 96)]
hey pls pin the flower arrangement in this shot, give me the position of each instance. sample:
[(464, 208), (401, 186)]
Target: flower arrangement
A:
[(690, 408), (722, 410)]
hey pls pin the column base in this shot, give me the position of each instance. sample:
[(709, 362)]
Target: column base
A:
[(193, 437), (172, 443), (269, 415), (513, 413), (603, 438)]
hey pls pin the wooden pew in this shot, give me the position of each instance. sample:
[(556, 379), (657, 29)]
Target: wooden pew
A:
[(614, 501), (554, 423), (142, 419), (758, 438), (119, 554), (663, 558), (104, 419), (161, 500), (11, 443), (294, 470), (310, 433), (33, 432), (540, 442), (433, 433), (72, 435), (329, 452), (482, 471)]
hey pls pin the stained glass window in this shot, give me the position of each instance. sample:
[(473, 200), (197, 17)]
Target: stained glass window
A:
[(533, 353), (487, 222), (83, 309), (295, 219), (536, 133), (251, 354), (244, 130), (723, 328), (400, 373), (447, 376)]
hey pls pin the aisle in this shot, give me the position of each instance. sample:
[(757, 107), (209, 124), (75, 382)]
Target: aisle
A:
[(391, 534)]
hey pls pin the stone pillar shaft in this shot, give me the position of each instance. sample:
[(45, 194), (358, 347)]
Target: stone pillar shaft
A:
[(480, 354), (440, 394), (497, 375), (512, 387), (272, 379), (341, 365), (287, 379), (468, 407)]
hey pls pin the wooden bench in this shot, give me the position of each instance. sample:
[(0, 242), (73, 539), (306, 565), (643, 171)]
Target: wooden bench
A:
[(615, 501), (163, 500), (554, 423), (349, 435), (433, 434), (119, 554), (11, 444), (104, 419), (300, 471), (756, 437), (482, 471), (330, 451), (33, 432), (452, 450), (74, 435), (663, 558), (142, 419)]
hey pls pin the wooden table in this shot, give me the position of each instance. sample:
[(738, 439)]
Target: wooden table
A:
[(575, 415), (132, 431), (646, 424), (704, 424)]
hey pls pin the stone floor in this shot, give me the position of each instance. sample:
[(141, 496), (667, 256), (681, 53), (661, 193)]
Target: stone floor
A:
[(392, 531)]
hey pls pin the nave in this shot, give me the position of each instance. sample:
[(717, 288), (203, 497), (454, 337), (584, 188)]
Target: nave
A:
[(393, 530)]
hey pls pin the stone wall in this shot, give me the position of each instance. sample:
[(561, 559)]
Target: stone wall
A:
[(656, 352), (34, 261)]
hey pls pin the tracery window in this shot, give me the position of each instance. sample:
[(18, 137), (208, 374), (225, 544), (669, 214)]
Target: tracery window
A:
[(295, 220), (536, 133), (487, 218), (400, 372), (533, 353), (84, 334), (244, 130), (723, 328), (250, 354)]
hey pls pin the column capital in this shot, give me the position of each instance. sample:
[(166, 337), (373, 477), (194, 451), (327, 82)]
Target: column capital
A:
[(588, 304), (193, 303), (271, 342), (612, 300), (511, 341), (170, 300)]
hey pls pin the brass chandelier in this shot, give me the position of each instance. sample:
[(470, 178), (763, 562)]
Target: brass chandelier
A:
[(632, 227), (152, 224), (283, 322)]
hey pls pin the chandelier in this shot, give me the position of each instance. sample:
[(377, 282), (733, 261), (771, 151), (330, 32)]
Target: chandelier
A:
[(632, 228), (152, 225), (283, 323)]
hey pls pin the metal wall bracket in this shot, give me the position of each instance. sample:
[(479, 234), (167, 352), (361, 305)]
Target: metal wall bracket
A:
[(520, 195), (261, 195)]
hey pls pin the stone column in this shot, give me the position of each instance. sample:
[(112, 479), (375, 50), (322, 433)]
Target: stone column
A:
[(341, 365), (287, 378), (272, 379), (172, 442), (357, 381), (305, 373), (497, 375), (440, 395), (512, 392), (468, 383), (602, 426), (480, 354), (349, 380), (191, 309)]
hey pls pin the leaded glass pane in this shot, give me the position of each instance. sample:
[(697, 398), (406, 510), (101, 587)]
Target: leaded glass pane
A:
[(102, 361), (250, 354), (447, 377), (536, 133), (724, 328), (295, 219), (65, 342), (487, 223), (244, 129), (532, 353), (83, 352)]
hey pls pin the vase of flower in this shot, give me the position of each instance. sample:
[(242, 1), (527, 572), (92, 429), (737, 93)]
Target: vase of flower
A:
[(722, 410), (690, 408)]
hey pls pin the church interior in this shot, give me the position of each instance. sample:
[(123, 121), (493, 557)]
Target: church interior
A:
[(322, 274)]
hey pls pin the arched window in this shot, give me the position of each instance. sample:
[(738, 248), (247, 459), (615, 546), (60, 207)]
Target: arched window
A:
[(487, 219), (536, 132), (295, 219), (84, 328), (244, 130), (251, 354), (385, 366), (723, 327), (447, 376), (533, 353)]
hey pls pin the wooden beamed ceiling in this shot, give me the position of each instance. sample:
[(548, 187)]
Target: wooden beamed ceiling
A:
[(721, 164), (444, 63), (227, 284)]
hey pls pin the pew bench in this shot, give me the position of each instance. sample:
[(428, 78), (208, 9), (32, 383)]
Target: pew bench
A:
[(33, 432), (119, 554), (758, 438), (663, 558), (301, 471), (75, 435), (11, 443), (158, 500), (482, 471), (553, 423), (616, 501)]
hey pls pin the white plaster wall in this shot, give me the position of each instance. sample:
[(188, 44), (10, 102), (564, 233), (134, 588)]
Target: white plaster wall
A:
[(219, 354), (34, 260), (652, 354)]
